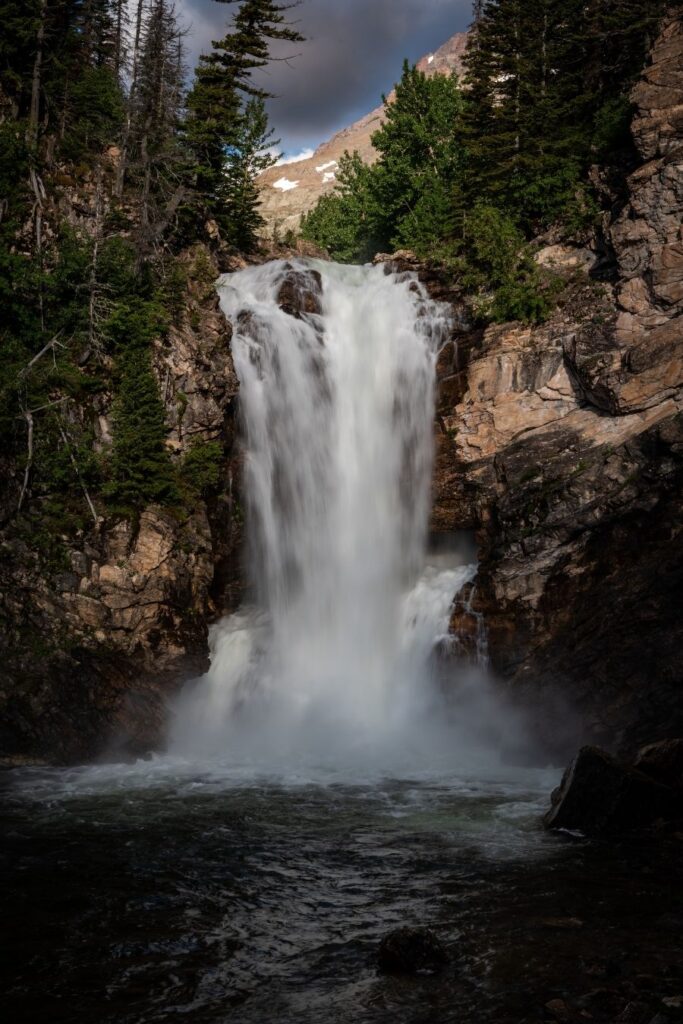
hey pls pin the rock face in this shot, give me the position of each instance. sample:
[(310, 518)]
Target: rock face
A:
[(600, 797), (562, 445), (662, 761), (92, 649), (290, 190)]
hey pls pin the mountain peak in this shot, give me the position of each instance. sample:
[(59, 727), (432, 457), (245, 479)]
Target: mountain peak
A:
[(289, 190)]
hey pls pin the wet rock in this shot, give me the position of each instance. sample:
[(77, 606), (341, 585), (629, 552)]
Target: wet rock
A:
[(634, 1013), (412, 951), (599, 796), (558, 1009), (662, 761), (300, 292)]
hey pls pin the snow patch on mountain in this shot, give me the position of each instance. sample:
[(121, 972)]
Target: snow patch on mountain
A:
[(285, 185), (324, 167)]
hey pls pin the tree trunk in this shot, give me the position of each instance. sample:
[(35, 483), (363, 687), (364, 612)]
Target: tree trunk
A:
[(36, 79), (131, 98)]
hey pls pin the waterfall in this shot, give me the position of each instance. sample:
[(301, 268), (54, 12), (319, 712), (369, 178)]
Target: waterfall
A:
[(338, 411)]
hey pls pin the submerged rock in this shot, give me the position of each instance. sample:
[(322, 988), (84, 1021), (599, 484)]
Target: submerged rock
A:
[(600, 796), (412, 951)]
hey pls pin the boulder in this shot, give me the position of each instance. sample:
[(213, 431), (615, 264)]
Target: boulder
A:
[(300, 292), (599, 796), (662, 761), (412, 951)]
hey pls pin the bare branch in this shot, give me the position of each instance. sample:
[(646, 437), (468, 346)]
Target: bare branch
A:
[(49, 347), (28, 416), (74, 463)]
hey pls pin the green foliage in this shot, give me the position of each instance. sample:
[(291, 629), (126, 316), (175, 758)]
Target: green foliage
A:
[(222, 131), (548, 94), (499, 270), (409, 197), (612, 131), (135, 323), (238, 194), (141, 471), (96, 113), (200, 470), (465, 178), (417, 178), (343, 222)]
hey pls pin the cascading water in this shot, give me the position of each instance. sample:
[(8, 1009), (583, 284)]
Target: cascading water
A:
[(338, 410), (319, 789)]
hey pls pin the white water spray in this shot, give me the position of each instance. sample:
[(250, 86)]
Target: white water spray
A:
[(338, 410)]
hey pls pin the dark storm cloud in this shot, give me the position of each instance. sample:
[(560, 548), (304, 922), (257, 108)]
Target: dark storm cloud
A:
[(353, 54)]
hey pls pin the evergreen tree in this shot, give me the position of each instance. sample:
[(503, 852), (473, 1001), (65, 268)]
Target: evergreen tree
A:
[(344, 222), (141, 470), (215, 122), (416, 183), (548, 88), (154, 155), (411, 196), (238, 193), (520, 129)]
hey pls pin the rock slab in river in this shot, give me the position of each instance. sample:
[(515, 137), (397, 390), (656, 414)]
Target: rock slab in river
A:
[(600, 796)]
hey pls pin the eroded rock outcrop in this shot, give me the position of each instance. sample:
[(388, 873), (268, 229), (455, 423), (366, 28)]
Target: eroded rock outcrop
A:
[(563, 445), (92, 647)]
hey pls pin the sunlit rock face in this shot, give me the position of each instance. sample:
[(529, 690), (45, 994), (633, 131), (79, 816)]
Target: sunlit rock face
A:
[(563, 444), (292, 189)]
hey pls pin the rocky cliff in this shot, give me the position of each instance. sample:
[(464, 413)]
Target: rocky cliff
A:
[(562, 445), (92, 646), (290, 190)]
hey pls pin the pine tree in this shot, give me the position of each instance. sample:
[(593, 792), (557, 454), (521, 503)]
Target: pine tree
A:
[(416, 181), (412, 196), (520, 122), (344, 222), (141, 471), (239, 194), (153, 152), (215, 122), (548, 94)]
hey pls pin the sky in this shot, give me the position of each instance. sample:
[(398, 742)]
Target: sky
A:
[(353, 54)]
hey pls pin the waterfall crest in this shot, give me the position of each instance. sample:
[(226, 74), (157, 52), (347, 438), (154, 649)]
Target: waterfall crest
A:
[(338, 411)]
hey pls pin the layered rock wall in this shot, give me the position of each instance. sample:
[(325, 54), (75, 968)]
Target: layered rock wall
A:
[(563, 444)]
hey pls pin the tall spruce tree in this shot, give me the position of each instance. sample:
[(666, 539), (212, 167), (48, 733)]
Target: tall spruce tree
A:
[(238, 192), (154, 153), (547, 94), (215, 124), (519, 126), (416, 184)]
